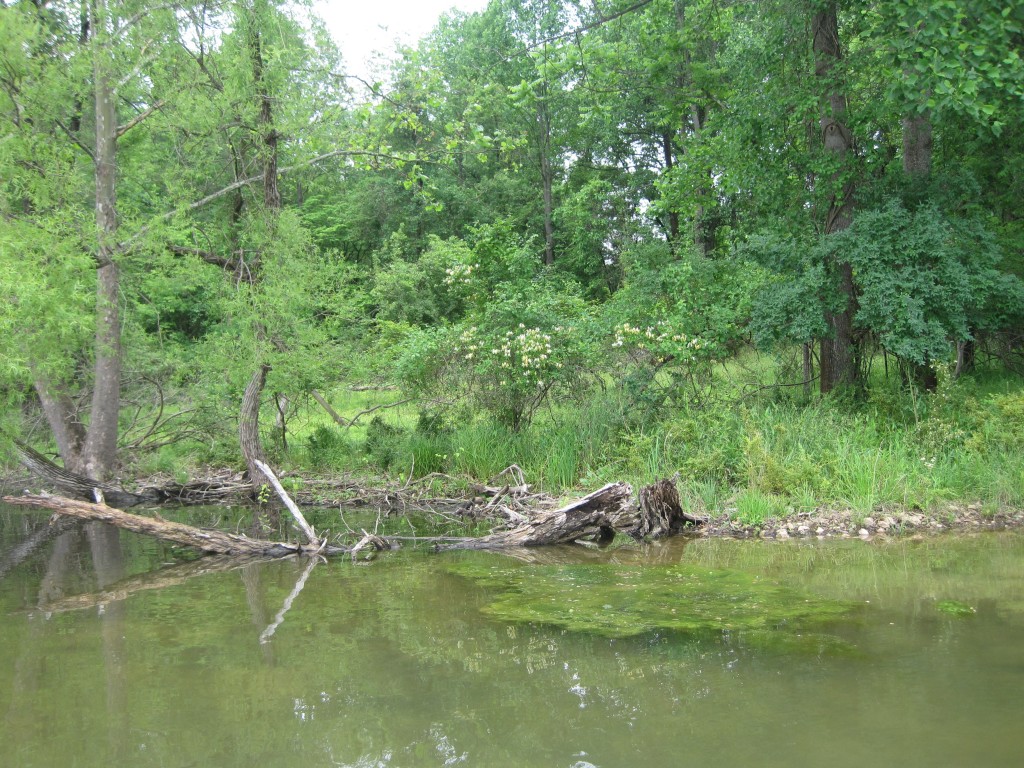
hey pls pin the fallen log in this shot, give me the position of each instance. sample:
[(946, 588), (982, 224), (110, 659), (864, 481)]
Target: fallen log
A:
[(203, 539), (596, 516), (307, 530), (75, 485)]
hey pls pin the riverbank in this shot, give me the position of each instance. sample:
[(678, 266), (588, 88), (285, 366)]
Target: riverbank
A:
[(845, 524), (461, 501)]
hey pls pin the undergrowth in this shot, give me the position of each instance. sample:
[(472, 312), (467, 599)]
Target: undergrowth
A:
[(776, 453)]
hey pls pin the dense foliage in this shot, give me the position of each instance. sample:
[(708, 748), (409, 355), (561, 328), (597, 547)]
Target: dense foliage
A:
[(573, 231)]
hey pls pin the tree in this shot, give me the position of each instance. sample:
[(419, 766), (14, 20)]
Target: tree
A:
[(63, 56), (839, 348)]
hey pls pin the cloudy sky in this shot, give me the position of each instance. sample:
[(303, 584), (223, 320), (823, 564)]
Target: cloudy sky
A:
[(363, 27)]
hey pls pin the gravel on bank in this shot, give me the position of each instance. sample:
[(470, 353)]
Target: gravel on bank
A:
[(844, 524)]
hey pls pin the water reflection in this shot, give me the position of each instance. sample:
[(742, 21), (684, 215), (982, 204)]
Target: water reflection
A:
[(109, 660)]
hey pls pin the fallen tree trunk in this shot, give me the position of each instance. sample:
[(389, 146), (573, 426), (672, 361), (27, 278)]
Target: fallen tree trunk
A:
[(307, 530), (203, 539), (75, 485), (596, 516)]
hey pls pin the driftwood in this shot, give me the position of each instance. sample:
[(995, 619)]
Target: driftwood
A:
[(596, 517), (224, 486), (203, 539), (307, 530)]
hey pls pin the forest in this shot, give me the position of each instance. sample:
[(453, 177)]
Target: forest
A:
[(775, 247)]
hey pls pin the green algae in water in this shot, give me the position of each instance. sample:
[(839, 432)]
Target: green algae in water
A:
[(955, 608), (624, 601)]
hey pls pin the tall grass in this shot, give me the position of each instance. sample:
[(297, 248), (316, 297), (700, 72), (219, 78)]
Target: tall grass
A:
[(763, 456)]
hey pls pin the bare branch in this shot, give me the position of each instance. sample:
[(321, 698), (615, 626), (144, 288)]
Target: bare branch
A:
[(259, 179), (368, 411), (75, 139), (123, 129), (208, 256)]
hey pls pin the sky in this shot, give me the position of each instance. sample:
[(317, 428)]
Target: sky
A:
[(362, 27)]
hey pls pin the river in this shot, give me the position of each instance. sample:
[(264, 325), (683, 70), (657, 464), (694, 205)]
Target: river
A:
[(119, 651)]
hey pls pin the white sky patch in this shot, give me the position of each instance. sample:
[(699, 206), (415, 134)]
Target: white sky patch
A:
[(367, 31)]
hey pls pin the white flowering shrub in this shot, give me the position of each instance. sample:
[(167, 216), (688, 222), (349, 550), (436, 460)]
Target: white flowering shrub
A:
[(519, 346), (512, 373), (665, 334), (524, 340)]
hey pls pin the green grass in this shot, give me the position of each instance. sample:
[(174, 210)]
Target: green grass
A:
[(765, 454)]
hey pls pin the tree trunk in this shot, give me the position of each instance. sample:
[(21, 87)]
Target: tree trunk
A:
[(249, 418), (99, 453), (547, 180), (281, 418), (965, 354), (673, 214), (249, 429), (704, 224), (808, 366), (68, 431), (917, 164), (595, 516), (838, 351), (271, 191), (917, 146)]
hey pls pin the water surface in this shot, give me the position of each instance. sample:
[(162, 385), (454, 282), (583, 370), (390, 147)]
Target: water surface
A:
[(702, 653)]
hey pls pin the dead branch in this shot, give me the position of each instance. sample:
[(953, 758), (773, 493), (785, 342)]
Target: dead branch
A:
[(203, 539), (338, 418), (370, 540), (306, 528), (368, 411), (596, 516)]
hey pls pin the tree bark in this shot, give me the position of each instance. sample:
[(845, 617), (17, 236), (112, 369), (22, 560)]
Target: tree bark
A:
[(917, 164), (595, 516), (838, 364), (203, 539), (673, 214), (249, 429), (62, 416), (249, 418), (917, 145), (100, 451), (547, 178)]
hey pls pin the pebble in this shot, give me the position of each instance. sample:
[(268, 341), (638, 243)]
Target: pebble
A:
[(782, 534), (820, 530), (869, 522), (803, 530), (864, 533)]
